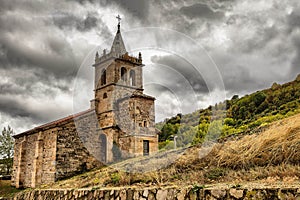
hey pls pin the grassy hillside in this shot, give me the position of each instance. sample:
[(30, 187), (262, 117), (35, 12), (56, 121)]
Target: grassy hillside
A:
[(232, 117), (269, 157), (6, 190)]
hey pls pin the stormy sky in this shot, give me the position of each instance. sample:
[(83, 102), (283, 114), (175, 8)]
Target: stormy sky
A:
[(44, 43)]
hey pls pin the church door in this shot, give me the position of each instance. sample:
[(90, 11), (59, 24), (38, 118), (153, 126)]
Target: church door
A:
[(145, 147), (103, 148)]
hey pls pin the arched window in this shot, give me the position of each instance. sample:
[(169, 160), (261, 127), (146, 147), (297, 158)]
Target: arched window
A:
[(145, 123), (123, 74), (132, 78), (105, 95), (103, 77)]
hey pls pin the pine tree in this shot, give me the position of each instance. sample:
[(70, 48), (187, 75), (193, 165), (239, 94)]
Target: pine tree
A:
[(7, 148)]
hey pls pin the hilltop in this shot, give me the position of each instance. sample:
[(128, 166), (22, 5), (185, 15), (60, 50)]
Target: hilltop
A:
[(269, 157), (232, 117)]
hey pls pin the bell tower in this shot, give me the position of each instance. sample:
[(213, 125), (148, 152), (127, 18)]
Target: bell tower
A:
[(126, 115)]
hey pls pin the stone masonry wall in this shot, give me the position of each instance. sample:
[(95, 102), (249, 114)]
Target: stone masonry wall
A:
[(72, 155), (16, 165), (54, 153), (162, 194), (34, 159), (133, 145), (136, 116), (87, 128), (89, 132)]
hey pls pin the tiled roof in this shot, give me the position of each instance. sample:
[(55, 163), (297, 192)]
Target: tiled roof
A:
[(53, 123)]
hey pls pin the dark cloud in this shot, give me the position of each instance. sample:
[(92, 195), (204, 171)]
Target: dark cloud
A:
[(237, 74), (91, 22), (157, 89), (22, 46), (57, 64), (66, 20), (200, 10), (57, 45), (238, 79), (195, 20), (16, 107), (295, 69), (16, 24), (87, 1), (71, 21), (13, 108), (38, 62), (294, 20), (33, 6), (185, 69), (259, 41), (226, 0), (29, 83), (137, 8), (9, 88)]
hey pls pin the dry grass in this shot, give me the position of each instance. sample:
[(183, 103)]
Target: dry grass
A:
[(280, 144), (7, 191), (271, 157)]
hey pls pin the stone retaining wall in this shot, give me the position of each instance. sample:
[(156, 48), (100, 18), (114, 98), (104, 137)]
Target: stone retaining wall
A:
[(162, 193)]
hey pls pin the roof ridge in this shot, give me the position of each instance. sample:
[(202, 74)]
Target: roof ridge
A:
[(72, 116)]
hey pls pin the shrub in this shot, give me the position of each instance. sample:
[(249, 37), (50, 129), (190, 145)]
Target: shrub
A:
[(215, 173), (115, 178)]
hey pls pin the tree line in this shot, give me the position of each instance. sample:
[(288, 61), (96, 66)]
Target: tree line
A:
[(234, 116)]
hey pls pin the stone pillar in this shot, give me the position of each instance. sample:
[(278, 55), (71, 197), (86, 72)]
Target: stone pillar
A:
[(36, 165), (20, 157)]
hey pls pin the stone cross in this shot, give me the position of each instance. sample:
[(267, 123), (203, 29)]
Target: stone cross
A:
[(119, 18)]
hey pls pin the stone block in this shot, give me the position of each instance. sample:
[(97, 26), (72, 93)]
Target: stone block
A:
[(236, 193), (218, 193)]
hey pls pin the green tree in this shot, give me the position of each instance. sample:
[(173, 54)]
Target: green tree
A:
[(258, 98), (214, 130), (7, 148), (229, 121), (201, 131)]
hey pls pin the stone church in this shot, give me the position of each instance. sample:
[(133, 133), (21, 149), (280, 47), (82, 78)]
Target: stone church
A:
[(118, 125)]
